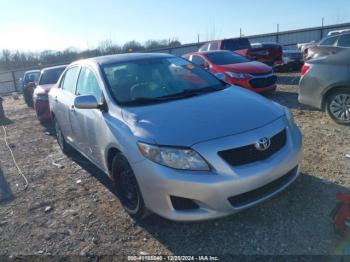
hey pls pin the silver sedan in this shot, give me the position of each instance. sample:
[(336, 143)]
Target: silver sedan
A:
[(325, 84), (174, 139)]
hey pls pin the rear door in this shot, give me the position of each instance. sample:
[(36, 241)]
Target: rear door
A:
[(64, 101)]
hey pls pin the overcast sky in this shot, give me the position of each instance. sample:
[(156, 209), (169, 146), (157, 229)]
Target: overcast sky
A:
[(45, 24)]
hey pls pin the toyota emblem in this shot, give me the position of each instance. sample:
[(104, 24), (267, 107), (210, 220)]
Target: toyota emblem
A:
[(263, 144)]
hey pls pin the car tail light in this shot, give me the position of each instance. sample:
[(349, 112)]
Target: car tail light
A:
[(305, 69)]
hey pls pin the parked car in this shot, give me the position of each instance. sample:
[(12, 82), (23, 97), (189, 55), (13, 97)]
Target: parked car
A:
[(29, 81), (48, 78), (293, 59), (329, 45), (270, 54), (174, 138), (237, 69), (325, 84)]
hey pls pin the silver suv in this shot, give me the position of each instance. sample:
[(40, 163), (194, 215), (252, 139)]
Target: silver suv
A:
[(173, 138)]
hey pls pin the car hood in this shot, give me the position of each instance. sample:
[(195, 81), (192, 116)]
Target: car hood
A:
[(192, 120), (247, 68)]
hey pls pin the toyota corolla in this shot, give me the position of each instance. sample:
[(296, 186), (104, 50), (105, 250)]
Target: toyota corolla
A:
[(173, 138)]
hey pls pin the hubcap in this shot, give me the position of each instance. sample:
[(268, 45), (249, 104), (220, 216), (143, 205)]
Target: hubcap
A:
[(340, 107), (128, 189)]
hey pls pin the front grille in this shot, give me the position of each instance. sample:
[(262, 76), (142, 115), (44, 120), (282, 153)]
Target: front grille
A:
[(261, 82), (249, 154), (261, 192)]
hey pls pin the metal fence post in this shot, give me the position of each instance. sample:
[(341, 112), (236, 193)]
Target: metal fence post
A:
[(14, 80)]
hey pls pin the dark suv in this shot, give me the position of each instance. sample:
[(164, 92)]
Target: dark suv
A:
[(29, 81), (268, 53)]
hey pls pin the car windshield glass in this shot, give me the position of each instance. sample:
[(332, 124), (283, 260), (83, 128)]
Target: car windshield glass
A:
[(236, 44), (31, 77), (50, 76), (155, 80), (226, 58)]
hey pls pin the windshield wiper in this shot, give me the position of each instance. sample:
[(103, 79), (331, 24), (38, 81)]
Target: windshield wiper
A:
[(192, 92), (184, 93)]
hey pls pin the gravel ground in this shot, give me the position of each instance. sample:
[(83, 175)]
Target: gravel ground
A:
[(69, 208)]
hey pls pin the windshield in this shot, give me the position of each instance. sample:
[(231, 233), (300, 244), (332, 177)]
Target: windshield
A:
[(31, 77), (226, 58), (157, 80), (51, 76), (236, 44)]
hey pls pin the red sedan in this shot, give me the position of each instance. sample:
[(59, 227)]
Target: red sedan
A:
[(48, 78), (237, 69)]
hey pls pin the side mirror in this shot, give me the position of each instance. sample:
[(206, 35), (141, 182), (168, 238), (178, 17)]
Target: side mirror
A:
[(86, 102), (220, 76)]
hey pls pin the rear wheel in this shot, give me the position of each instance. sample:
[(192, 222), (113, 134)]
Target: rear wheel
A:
[(66, 149), (338, 106), (127, 187)]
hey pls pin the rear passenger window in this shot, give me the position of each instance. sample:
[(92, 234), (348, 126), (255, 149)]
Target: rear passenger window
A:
[(198, 60), (329, 41), (70, 79), (88, 84), (344, 40), (204, 47), (213, 46)]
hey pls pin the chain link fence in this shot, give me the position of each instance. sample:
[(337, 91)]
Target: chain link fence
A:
[(10, 80)]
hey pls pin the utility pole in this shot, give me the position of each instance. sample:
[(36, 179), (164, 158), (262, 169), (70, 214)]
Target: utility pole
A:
[(240, 32), (322, 25), (277, 34), (198, 38)]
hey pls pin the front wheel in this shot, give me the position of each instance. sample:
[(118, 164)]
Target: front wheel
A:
[(338, 106), (127, 187)]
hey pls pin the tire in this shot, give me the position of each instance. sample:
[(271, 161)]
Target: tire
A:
[(28, 96), (127, 188), (65, 147), (338, 106)]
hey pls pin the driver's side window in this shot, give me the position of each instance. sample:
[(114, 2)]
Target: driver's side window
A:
[(88, 84)]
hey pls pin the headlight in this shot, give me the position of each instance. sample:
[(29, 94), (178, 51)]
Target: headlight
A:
[(289, 115), (178, 158), (238, 75)]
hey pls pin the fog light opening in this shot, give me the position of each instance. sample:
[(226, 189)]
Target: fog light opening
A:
[(181, 203)]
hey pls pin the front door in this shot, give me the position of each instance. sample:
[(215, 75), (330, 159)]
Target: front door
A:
[(86, 123)]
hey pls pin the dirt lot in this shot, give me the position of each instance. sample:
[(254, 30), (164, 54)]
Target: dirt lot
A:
[(57, 215)]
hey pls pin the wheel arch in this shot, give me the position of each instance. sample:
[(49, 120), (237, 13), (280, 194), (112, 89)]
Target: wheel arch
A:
[(331, 90), (111, 152)]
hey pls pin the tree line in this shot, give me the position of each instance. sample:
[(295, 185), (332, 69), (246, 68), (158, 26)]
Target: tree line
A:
[(19, 59)]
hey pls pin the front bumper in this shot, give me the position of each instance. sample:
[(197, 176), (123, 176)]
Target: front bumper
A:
[(211, 191), (245, 84)]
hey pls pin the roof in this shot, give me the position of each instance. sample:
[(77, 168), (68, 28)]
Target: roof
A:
[(211, 52), (110, 59), (32, 71), (54, 67)]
